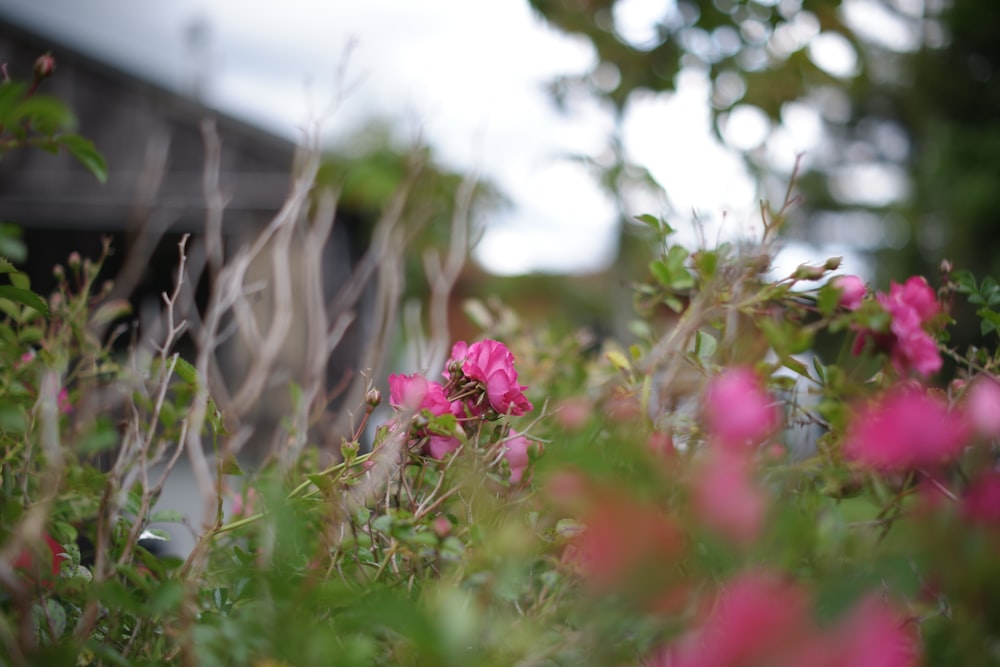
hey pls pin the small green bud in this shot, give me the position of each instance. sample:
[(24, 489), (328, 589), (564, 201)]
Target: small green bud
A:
[(806, 272)]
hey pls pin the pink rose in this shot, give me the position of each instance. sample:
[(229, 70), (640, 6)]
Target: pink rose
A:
[(852, 291), (904, 429), (910, 307), (415, 392), (915, 294), (491, 364), (439, 446), (913, 348), (738, 410)]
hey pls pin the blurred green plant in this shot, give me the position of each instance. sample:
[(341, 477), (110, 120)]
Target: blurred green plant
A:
[(717, 492)]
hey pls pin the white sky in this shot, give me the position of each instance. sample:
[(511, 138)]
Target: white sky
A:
[(470, 77)]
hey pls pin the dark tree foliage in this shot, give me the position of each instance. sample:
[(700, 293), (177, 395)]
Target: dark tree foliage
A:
[(929, 110)]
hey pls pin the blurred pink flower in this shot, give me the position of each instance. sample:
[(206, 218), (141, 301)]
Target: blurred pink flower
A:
[(243, 504), (758, 616), (441, 526), (905, 428), (491, 363), (515, 450), (726, 498), (62, 400), (873, 636), (982, 407), (981, 502), (852, 291), (738, 410), (623, 541)]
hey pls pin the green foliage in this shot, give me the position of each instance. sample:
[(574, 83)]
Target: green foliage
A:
[(625, 528), (985, 296), (28, 119)]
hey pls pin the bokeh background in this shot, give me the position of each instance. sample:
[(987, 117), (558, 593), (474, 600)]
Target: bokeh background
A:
[(580, 114)]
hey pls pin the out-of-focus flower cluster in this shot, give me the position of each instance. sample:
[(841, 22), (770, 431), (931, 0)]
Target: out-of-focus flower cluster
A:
[(761, 618)]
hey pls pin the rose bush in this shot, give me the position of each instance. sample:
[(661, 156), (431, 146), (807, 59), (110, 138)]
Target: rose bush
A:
[(790, 470)]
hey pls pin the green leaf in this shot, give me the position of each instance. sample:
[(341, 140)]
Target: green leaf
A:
[(10, 93), (30, 335), (705, 346), (650, 220), (45, 114), (819, 368), (104, 436), (20, 280), (660, 272), (24, 297), (12, 418), (186, 371), (706, 262), (794, 364), (966, 281), (166, 516), (11, 246), (827, 299), (88, 155), (991, 320)]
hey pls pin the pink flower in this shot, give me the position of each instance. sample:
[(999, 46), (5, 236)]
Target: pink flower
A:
[(915, 294), (624, 542), (981, 502), (982, 407), (726, 498), (904, 429), (243, 504), (62, 400), (873, 636), (913, 347), (852, 291), (415, 392), (441, 526), (515, 451), (738, 410), (491, 364), (439, 446), (910, 307), (757, 618)]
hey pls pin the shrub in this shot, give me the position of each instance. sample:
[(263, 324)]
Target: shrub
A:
[(725, 490)]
